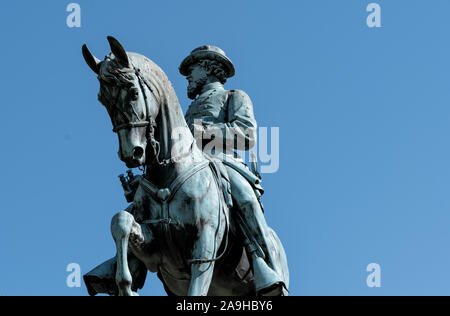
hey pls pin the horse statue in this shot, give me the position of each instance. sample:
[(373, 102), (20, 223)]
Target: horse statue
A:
[(178, 224)]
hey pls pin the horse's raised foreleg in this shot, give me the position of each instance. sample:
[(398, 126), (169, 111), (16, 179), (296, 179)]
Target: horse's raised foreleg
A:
[(121, 227), (201, 273)]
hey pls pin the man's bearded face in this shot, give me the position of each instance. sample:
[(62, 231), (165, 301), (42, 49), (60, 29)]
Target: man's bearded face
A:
[(197, 79)]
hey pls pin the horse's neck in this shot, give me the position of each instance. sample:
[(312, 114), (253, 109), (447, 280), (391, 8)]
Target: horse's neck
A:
[(175, 140)]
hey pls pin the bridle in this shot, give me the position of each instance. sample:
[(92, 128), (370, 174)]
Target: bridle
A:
[(140, 123), (150, 123)]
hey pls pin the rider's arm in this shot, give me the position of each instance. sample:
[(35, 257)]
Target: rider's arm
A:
[(241, 122)]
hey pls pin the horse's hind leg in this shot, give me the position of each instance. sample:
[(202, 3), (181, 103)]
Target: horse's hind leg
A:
[(121, 226)]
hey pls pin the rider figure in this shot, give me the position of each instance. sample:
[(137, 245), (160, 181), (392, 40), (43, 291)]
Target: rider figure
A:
[(226, 117)]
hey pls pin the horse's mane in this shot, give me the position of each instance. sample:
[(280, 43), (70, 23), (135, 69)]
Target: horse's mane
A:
[(153, 73)]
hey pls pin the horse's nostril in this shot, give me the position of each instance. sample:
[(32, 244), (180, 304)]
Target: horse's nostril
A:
[(138, 152)]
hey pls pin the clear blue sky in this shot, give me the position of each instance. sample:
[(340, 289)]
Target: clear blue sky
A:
[(364, 121)]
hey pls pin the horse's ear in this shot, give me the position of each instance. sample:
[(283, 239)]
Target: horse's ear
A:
[(118, 51), (92, 61)]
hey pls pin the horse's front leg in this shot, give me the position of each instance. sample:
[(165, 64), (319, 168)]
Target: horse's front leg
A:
[(201, 273), (122, 225)]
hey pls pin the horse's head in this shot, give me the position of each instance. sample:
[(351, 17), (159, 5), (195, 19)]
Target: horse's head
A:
[(128, 98)]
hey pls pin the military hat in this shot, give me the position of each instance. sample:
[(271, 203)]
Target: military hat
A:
[(207, 52)]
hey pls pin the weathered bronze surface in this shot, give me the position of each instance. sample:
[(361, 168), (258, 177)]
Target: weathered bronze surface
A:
[(196, 218)]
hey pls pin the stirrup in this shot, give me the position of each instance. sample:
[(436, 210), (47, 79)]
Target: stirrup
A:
[(267, 281)]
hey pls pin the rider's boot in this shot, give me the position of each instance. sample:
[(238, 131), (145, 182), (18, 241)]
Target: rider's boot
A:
[(255, 230), (267, 281)]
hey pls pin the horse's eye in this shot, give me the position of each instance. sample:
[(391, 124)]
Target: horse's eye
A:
[(134, 94)]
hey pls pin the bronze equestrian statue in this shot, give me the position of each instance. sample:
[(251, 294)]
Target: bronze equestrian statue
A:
[(196, 218)]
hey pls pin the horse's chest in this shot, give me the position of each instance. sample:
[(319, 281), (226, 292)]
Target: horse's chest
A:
[(177, 215), (166, 213), (171, 228), (157, 211), (175, 204), (148, 207)]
